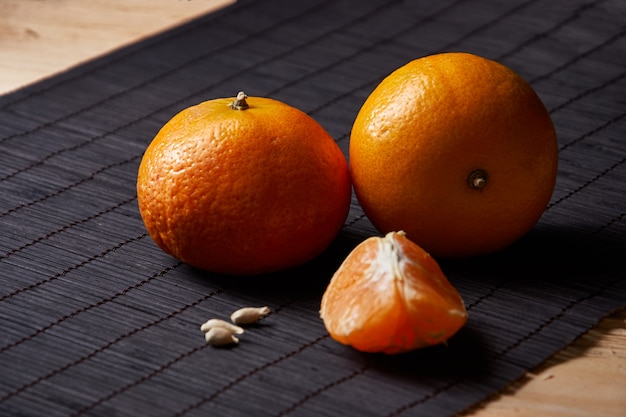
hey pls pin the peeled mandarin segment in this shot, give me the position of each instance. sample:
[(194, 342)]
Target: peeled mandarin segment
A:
[(390, 296)]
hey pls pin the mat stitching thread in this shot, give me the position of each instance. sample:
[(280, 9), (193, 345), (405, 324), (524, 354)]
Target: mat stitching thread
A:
[(252, 372), (576, 14), (592, 132), (426, 398), (139, 381), (51, 155), (70, 186), (353, 375), (586, 183), (109, 344), (588, 92), (66, 227), (183, 65), (490, 23), (172, 35), (70, 269), (579, 139), (80, 310), (355, 220), (169, 364), (562, 313), (583, 55), (608, 224), (320, 390)]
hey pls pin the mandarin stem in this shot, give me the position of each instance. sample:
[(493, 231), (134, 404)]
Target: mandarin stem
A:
[(477, 179), (240, 102)]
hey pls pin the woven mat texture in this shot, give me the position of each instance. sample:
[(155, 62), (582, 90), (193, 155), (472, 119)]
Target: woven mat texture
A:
[(95, 320)]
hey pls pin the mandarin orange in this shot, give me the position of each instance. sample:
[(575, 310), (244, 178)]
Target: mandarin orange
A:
[(390, 296), (456, 150), (244, 186)]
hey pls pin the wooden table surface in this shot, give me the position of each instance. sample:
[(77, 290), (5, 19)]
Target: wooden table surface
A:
[(39, 38)]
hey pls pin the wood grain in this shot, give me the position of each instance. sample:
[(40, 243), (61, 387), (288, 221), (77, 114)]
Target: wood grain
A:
[(39, 38), (588, 378)]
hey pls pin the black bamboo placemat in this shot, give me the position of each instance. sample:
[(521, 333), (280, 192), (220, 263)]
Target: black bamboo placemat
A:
[(96, 320)]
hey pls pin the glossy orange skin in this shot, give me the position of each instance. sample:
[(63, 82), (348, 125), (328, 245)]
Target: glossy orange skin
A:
[(243, 191), (427, 127), (390, 296)]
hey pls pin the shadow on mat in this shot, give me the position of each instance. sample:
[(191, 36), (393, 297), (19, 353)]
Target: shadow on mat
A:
[(463, 358), (308, 280), (548, 255)]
